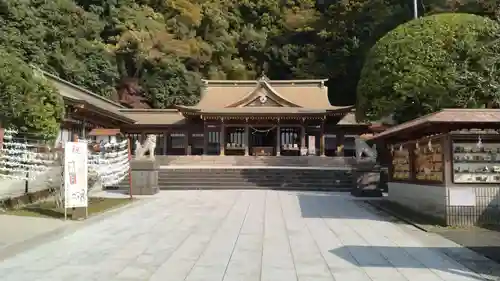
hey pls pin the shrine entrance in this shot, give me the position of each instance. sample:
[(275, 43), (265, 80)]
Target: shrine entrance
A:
[(263, 141)]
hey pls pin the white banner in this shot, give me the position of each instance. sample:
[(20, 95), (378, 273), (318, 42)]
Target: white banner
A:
[(75, 174)]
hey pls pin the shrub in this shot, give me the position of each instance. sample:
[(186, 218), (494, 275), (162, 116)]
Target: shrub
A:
[(444, 60)]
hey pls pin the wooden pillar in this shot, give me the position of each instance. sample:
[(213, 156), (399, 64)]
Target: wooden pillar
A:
[(165, 143), (446, 150), (322, 140), (246, 142), (278, 140), (302, 138), (206, 134), (187, 136), (84, 128), (222, 139)]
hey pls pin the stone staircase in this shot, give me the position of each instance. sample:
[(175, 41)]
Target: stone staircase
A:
[(255, 178), (252, 178), (240, 172), (263, 161)]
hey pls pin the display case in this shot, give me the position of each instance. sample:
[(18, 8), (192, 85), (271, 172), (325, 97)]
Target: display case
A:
[(429, 162), (401, 164), (476, 161)]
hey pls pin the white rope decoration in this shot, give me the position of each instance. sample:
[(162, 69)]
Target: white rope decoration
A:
[(111, 164), (262, 131), (17, 161)]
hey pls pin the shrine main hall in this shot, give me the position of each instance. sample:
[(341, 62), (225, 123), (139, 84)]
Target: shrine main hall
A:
[(233, 117)]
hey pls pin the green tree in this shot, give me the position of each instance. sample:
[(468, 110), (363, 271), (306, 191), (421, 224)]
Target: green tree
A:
[(61, 38), (104, 45), (444, 60), (28, 102)]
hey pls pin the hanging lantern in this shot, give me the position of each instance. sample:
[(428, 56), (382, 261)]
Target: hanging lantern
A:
[(429, 145)]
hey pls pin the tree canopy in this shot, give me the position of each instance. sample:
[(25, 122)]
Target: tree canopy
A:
[(28, 102), (439, 61), (160, 49)]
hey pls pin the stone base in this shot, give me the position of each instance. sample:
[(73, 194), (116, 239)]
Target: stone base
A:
[(366, 184), (358, 192), (78, 213), (144, 177), (151, 190), (143, 164)]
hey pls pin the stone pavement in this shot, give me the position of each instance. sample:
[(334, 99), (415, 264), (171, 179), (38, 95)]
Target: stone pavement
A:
[(240, 235), (16, 229)]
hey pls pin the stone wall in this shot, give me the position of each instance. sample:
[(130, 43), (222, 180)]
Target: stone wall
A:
[(429, 200), (455, 205)]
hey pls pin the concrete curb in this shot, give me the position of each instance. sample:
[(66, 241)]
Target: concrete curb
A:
[(14, 249)]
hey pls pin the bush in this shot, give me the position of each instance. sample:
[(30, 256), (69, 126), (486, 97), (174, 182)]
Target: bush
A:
[(444, 60), (28, 102)]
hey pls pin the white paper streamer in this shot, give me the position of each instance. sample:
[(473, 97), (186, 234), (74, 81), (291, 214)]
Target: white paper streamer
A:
[(111, 164), (17, 161)]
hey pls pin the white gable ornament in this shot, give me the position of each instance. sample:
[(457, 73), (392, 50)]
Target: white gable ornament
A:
[(263, 99)]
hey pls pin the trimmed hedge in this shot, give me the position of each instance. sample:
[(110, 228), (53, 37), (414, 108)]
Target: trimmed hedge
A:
[(434, 62)]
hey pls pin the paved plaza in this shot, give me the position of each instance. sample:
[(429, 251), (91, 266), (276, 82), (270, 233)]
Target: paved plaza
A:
[(240, 236)]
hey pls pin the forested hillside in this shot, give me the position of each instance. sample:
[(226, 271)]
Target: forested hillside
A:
[(154, 52)]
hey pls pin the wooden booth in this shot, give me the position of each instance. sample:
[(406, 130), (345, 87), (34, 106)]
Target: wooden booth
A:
[(447, 165)]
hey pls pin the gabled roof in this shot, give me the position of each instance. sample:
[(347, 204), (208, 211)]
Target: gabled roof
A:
[(454, 116), (307, 94), (154, 117), (263, 89), (74, 93)]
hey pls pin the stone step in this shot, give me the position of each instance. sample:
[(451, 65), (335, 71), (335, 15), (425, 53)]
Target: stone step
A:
[(255, 171), (252, 182), (246, 175), (259, 161), (267, 178), (324, 179), (236, 187)]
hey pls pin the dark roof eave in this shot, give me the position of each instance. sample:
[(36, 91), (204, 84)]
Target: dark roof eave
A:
[(349, 107), (211, 113), (425, 124), (354, 125), (405, 131), (154, 126), (183, 108), (304, 112), (72, 100), (110, 114), (81, 89)]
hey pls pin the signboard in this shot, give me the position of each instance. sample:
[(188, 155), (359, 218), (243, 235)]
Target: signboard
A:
[(462, 196), (75, 175)]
